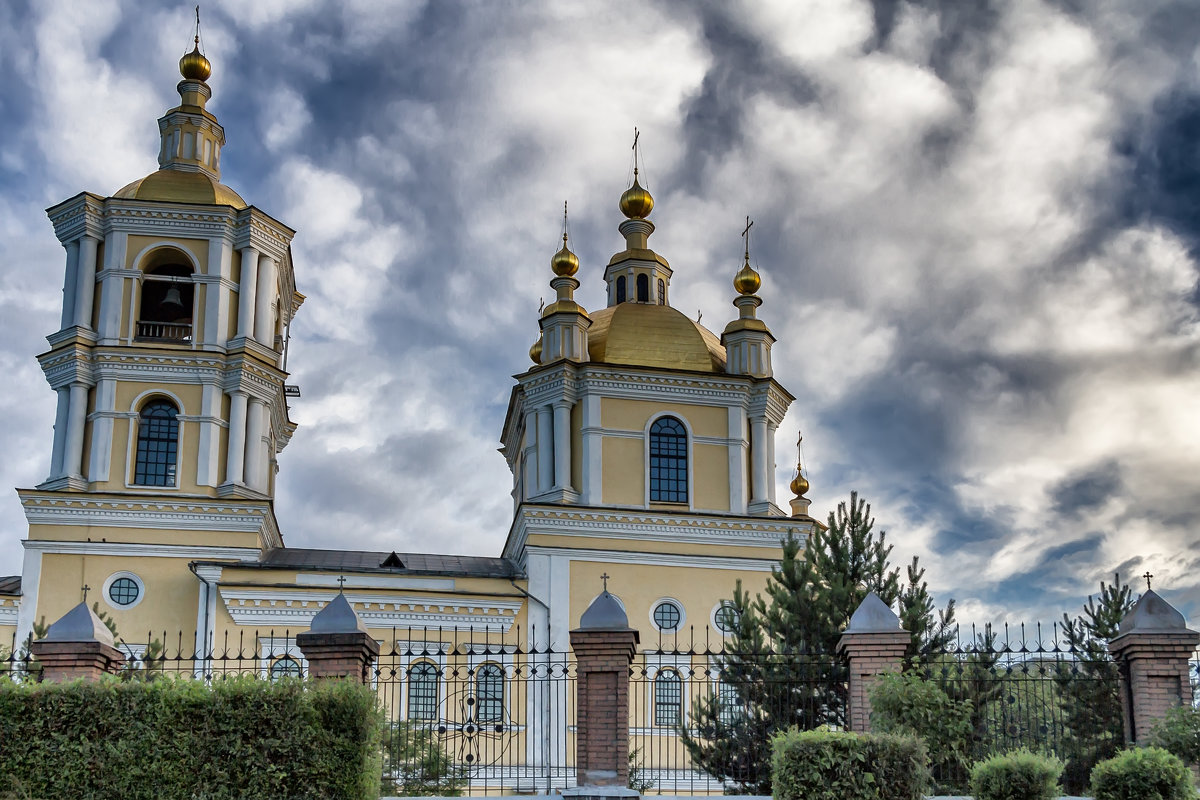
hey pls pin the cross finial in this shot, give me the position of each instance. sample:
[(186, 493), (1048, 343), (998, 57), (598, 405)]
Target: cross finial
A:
[(1147, 576), (342, 582), (86, 589), (799, 446), (197, 26), (604, 578), (541, 304), (636, 134), (746, 236), (564, 222)]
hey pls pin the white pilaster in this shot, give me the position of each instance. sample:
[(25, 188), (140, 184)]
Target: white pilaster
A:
[(759, 453), (206, 614), (216, 293), (246, 292), (76, 419), (593, 452), (60, 431), (264, 318), (255, 449), (85, 287), (529, 456), (771, 428), (102, 430), (208, 456), (235, 457), (737, 460), (112, 287), (545, 449), (562, 444), (70, 284), (31, 579)]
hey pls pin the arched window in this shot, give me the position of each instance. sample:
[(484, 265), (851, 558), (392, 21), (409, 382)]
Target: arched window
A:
[(643, 287), (662, 292), (286, 667), (668, 698), (422, 691), (489, 693), (165, 313), (157, 444), (668, 461), (621, 294)]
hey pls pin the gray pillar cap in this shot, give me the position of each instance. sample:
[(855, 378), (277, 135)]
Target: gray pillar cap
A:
[(604, 613), (337, 617), (872, 616), (80, 624), (1152, 614)]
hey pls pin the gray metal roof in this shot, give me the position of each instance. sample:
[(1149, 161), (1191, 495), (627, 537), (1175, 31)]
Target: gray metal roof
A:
[(80, 624), (336, 617), (10, 584), (368, 561)]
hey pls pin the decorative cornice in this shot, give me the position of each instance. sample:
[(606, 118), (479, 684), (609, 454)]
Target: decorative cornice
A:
[(658, 559), (295, 608), (142, 550)]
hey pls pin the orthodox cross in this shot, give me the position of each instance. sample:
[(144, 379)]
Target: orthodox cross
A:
[(1147, 576), (799, 447), (746, 236), (342, 582), (604, 578), (86, 589)]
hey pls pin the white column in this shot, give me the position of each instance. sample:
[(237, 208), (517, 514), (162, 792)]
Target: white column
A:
[(545, 452), (102, 430), (771, 427), (236, 453), (264, 320), (758, 453), (208, 454), (216, 295), (592, 479), (529, 456), (76, 419), (562, 444), (112, 287), (254, 444), (246, 292), (85, 288), (70, 283), (60, 431), (737, 460)]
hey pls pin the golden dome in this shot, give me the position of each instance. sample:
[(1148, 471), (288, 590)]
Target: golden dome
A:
[(747, 280), (194, 66), (176, 186), (799, 484), (564, 263), (535, 352), (641, 334), (636, 202)]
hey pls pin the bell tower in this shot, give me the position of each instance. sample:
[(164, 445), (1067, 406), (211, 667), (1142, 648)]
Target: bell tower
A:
[(169, 370)]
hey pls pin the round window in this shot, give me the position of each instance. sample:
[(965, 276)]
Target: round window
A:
[(286, 667), (727, 617), (124, 591), (667, 616)]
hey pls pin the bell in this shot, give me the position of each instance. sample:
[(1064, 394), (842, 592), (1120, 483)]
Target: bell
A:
[(173, 302)]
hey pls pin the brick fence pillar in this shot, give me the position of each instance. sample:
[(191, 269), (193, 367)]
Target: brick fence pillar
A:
[(79, 645), (337, 644), (873, 643), (604, 646), (1153, 647)]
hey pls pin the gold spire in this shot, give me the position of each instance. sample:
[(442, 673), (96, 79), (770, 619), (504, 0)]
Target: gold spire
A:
[(194, 66), (747, 281), (564, 263), (799, 485), (636, 202)]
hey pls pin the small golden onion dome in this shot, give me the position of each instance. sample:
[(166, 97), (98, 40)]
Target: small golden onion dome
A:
[(636, 203), (535, 352), (799, 484), (747, 280), (564, 263), (194, 66)]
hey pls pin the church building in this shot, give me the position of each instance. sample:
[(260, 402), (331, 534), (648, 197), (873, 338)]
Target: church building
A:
[(641, 444)]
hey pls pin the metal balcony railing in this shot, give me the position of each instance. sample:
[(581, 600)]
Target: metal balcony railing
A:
[(164, 332)]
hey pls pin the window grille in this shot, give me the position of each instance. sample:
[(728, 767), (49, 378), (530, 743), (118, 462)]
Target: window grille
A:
[(489, 693), (422, 691), (668, 461), (157, 445), (668, 698)]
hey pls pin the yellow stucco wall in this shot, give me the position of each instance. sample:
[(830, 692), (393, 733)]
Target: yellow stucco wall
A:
[(633, 415), (624, 482)]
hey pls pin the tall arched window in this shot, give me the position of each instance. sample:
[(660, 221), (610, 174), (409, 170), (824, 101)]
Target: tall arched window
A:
[(662, 292), (422, 691), (668, 461), (489, 693), (643, 288), (157, 444), (621, 293), (668, 698)]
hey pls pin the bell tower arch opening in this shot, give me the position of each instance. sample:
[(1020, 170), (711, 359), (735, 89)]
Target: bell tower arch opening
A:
[(168, 294)]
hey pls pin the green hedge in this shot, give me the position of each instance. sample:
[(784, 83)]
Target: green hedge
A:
[(1143, 773), (828, 765), (182, 739), (1019, 775), (1179, 734)]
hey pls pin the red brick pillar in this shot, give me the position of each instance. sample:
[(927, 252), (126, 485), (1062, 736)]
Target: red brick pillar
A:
[(78, 645), (337, 645), (873, 643), (604, 646), (1153, 647)]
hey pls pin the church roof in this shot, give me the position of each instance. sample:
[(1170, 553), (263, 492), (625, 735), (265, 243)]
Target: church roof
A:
[(10, 584), (369, 561), (647, 335), (176, 186)]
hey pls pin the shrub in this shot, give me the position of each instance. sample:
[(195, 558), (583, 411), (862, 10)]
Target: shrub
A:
[(1019, 775), (908, 704), (1148, 773), (827, 765), (182, 739), (1179, 733)]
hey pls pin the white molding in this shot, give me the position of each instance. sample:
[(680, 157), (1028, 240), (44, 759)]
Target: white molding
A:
[(132, 549), (658, 559), (678, 607), (10, 610), (379, 582), (108, 582), (169, 513), (294, 609)]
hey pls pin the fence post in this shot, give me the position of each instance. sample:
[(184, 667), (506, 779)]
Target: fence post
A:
[(604, 646), (337, 644), (873, 643), (78, 645), (1153, 647)]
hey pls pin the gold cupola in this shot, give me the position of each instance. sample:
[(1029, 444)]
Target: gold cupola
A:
[(799, 484), (747, 281), (636, 202), (564, 322), (564, 263), (194, 66), (747, 340)]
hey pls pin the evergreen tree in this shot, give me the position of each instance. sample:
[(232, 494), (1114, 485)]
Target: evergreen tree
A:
[(780, 666)]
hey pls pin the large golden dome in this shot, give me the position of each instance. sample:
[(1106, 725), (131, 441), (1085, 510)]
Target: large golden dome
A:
[(176, 186), (644, 335)]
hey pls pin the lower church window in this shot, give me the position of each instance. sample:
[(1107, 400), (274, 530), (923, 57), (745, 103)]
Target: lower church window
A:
[(422, 691), (157, 444), (668, 461)]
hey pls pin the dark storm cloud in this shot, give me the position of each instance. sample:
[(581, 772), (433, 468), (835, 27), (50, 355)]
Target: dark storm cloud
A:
[(1086, 490)]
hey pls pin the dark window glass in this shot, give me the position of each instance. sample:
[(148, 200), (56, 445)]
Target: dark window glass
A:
[(123, 591), (729, 705), (286, 667), (727, 617), (157, 445), (643, 287), (662, 292), (668, 698), (668, 461), (621, 289), (422, 691), (489, 693), (667, 617)]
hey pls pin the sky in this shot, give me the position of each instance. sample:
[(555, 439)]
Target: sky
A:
[(978, 226)]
